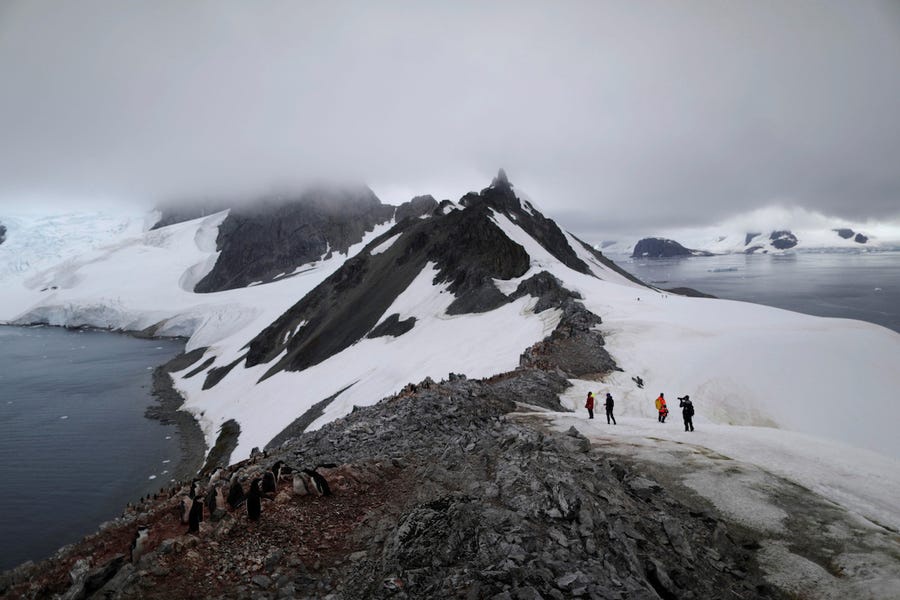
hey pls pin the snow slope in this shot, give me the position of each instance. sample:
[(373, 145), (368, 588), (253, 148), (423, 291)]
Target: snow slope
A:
[(743, 364)]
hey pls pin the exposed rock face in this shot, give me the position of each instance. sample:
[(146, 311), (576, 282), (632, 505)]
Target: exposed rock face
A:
[(659, 248), (2, 233), (501, 198), (750, 237), (860, 239), (415, 208), (393, 326), (263, 240), (844, 233), (782, 240)]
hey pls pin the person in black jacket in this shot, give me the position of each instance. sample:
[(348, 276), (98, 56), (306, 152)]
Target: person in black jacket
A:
[(609, 408), (687, 411)]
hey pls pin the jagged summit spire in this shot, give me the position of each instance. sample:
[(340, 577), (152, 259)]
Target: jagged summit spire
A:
[(501, 180)]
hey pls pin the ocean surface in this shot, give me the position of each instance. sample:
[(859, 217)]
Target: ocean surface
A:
[(74, 442), (864, 285)]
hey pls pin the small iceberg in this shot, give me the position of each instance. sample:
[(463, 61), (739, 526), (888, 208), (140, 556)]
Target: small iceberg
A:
[(722, 270)]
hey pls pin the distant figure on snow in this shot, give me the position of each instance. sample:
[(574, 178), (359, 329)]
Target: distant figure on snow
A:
[(609, 408), (662, 408), (589, 405), (687, 411)]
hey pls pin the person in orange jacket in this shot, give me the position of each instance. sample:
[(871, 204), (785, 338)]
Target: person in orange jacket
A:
[(589, 405), (662, 408)]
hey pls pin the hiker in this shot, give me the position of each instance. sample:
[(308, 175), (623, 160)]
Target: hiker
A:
[(589, 404), (687, 411), (662, 408), (609, 408)]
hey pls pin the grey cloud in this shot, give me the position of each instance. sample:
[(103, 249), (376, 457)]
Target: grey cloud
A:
[(635, 114)]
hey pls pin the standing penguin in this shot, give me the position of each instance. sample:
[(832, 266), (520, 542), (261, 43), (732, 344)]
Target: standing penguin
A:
[(185, 509), (139, 543), (319, 482), (236, 493), (211, 499), (195, 516), (280, 470), (254, 505), (269, 483), (301, 484)]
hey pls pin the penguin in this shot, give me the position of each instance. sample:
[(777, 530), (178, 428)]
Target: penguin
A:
[(220, 497), (269, 483), (215, 476), (319, 483), (195, 516), (211, 499), (254, 506), (280, 470), (185, 509), (301, 484), (139, 543), (193, 493), (236, 493)]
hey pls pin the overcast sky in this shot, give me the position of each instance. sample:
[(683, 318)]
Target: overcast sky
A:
[(619, 116)]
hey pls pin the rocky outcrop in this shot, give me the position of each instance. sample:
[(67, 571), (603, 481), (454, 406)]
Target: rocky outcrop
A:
[(749, 237), (501, 198), (783, 240), (267, 239), (415, 208), (2, 233), (659, 248), (860, 238), (435, 493)]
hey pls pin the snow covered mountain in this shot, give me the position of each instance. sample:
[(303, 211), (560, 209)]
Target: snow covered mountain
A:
[(357, 309)]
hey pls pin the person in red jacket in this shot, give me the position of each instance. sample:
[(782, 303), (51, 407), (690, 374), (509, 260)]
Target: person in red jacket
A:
[(589, 405), (662, 408)]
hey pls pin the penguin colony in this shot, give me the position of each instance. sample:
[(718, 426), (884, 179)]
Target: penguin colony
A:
[(191, 504)]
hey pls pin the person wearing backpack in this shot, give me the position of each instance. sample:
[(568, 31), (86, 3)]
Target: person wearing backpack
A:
[(609, 408), (687, 412), (589, 405), (662, 408)]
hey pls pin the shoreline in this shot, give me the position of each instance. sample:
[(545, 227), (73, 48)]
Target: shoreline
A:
[(167, 410)]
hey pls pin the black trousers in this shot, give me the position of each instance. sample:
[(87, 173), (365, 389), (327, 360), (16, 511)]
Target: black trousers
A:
[(689, 423), (591, 413), (609, 416)]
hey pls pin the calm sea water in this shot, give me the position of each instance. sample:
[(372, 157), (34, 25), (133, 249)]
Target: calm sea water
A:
[(74, 442), (864, 286)]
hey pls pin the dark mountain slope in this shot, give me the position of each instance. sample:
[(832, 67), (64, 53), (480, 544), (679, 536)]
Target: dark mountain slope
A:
[(501, 197), (263, 240), (468, 249), (2, 233)]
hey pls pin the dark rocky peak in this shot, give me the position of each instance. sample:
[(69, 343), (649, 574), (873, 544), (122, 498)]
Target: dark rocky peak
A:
[(844, 233), (415, 208), (860, 238), (749, 237), (783, 239), (263, 240), (501, 180), (659, 248), (2, 233), (501, 198)]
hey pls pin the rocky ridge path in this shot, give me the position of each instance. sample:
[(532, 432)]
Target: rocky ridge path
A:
[(437, 493)]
